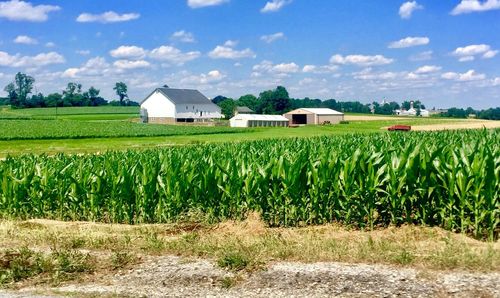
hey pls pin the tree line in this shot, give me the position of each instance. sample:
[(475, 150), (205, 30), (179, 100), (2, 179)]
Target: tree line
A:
[(278, 102), (20, 95)]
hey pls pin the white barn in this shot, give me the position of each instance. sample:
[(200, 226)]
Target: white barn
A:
[(169, 105), (255, 120), (314, 116)]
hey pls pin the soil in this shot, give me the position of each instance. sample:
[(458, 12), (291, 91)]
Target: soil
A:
[(170, 276)]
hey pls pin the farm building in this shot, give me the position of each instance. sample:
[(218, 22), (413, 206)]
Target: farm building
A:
[(243, 110), (314, 116), (169, 105), (254, 120)]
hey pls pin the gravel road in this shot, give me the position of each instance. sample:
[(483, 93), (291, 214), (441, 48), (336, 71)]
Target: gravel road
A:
[(176, 277)]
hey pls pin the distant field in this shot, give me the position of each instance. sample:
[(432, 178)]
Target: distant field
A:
[(77, 113), (70, 129)]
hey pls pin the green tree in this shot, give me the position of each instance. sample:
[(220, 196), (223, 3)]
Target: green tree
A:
[(121, 90), (53, 100), (20, 89), (73, 96), (275, 101), (249, 101), (227, 107)]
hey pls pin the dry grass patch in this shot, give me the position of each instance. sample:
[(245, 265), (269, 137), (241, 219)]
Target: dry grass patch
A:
[(247, 245)]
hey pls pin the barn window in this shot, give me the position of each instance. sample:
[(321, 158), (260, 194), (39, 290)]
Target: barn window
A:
[(186, 107)]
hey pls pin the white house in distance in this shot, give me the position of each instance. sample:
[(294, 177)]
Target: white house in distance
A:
[(169, 105), (412, 112), (256, 120), (314, 116)]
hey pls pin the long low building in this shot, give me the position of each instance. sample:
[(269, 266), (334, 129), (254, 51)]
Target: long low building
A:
[(314, 116), (255, 120)]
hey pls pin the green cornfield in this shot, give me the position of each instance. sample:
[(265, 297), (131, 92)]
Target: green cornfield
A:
[(445, 179)]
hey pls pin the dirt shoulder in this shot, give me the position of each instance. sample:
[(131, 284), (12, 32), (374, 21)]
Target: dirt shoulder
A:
[(171, 276), (476, 124), (241, 258)]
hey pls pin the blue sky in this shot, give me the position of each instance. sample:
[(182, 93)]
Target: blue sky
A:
[(444, 53)]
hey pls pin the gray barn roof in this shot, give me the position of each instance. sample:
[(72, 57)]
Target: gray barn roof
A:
[(182, 96)]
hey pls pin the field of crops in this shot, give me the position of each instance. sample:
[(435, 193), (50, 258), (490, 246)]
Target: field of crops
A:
[(71, 129), (66, 112), (446, 179)]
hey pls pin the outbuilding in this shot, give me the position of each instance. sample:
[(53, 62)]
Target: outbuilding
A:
[(255, 120), (314, 116), (169, 105)]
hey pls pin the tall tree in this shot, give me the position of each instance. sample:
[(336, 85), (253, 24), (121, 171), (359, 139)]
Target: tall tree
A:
[(20, 89), (227, 107), (121, 91), (275, 101)]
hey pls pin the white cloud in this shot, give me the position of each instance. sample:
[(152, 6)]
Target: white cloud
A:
[(272, 37), (269, 67), (127, 64), (409, 42), (275, 5), (427, 69), (107, 17), (231, 43), (496, 81), (183, 36), (468, 6), (50, 44), (30, 61), (470, 75), (83, 52), (407, 9), (470, 52), (490, 54), (226, 52), (319, 69), (204, 3), (173, 55), (16, 10), (422, 56), (203, 79), (128, 52), (360, 60), (24, 39), (94, 67)]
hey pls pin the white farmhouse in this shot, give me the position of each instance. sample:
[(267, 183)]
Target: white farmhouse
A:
[(169, 105)]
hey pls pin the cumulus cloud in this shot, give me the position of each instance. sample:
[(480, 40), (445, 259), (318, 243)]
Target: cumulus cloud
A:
[(422, 56), (42, 59), (407, 9), (204, 3), (319, 69), (470, 75), (50, 44), (24, 39), (275, 5), (469, 53), (95, 67), (427, 69), (469, 6), (128, 52), (183, 36), (203, 79), (173, 55), (227, 51), (107, 17), (360, 60), (269, 67), (272, 37), (16, 10), (127, 64), (409, 42)]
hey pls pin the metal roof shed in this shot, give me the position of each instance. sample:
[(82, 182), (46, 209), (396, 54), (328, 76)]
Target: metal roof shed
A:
[(314, 116), (255, 120)]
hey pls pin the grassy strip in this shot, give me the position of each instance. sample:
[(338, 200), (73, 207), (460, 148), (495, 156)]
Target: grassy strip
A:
[(70, 247)]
